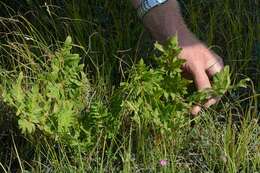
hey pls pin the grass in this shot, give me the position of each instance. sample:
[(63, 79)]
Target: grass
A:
[(111, 40)]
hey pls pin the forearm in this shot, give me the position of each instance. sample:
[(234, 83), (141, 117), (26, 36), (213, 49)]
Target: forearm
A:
[(165, 21)]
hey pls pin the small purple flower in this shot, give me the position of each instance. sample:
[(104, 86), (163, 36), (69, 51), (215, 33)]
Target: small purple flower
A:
[(163, 162)]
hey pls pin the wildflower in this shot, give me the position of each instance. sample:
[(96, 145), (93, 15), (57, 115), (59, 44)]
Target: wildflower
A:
[(163, 162)]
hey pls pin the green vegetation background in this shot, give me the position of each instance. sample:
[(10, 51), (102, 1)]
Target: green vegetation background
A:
[(110, 41)]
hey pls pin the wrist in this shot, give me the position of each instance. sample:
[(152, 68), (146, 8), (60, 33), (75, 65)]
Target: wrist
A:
[(166, 21), (188, 39)]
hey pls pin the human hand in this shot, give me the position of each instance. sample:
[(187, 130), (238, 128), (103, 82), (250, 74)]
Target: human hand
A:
[(165, 21), (201, 64)]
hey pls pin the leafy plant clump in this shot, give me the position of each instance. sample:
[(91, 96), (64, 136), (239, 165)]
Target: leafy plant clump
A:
[(152, 100), (159, 99), (53, 101)]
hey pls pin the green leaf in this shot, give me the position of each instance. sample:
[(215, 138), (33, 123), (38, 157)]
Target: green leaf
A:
[(221, 81), (243, 83), (66, 117), (16, 91), (26, 126), (159, 47), (67, 43)]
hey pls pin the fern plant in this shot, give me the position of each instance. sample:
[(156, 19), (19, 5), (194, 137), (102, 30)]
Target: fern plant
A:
[(53, 101)]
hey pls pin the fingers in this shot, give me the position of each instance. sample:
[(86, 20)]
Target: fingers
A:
[(211, 71), (202, 64), (211, 102), (196, 109), (202, 82), (201, 79)]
